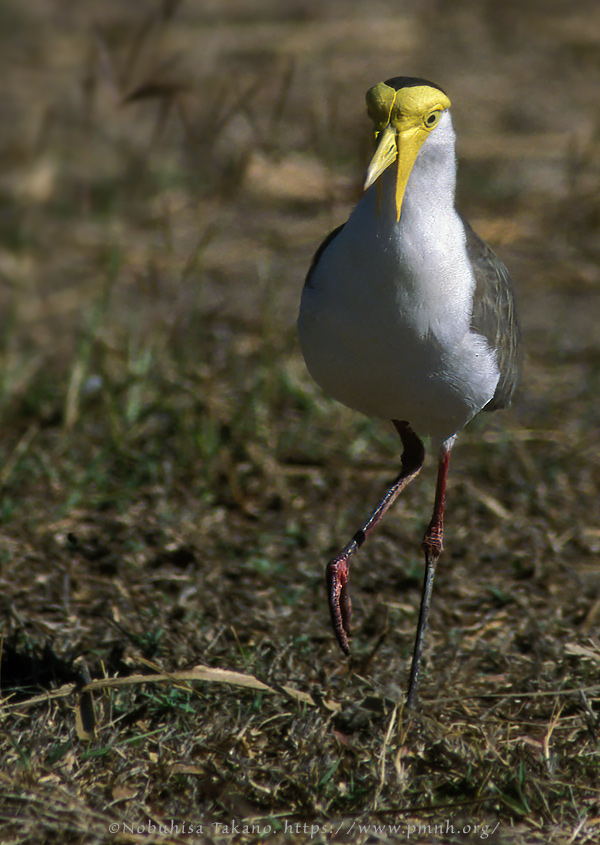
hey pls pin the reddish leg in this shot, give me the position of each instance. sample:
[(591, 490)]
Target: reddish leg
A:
[(432, 546), (338, 570)]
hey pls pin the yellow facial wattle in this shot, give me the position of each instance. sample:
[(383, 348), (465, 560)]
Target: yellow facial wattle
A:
[(403, 120)]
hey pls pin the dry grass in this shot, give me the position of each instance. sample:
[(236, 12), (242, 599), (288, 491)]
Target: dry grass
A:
[(172, 483)]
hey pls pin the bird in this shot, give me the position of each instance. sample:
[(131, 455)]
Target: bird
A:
[(407, 315)]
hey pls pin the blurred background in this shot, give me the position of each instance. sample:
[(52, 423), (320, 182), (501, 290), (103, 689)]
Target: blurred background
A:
[(171, 481), (209, 146)]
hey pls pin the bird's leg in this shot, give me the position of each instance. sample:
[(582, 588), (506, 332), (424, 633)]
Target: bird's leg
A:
[(432, 546), (338, 570)]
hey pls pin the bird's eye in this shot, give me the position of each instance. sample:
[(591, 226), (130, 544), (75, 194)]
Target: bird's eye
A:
[(432, 119)]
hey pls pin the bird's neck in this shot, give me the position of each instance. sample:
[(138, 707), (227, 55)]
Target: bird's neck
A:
[(430, 189), (424, 260)]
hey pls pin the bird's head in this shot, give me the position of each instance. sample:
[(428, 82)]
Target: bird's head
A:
[(404, 111)]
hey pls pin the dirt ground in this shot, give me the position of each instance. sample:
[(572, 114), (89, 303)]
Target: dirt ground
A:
[(172, 483)]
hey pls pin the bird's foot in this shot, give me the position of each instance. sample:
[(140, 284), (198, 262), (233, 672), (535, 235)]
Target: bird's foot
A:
[(340, 605)]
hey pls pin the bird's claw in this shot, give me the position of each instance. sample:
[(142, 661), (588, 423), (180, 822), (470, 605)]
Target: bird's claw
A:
[(340, 605)]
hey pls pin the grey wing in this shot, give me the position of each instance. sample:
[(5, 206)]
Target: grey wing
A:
[(495, 317)]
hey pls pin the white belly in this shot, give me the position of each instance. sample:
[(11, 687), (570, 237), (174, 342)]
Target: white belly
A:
[(384, 324)]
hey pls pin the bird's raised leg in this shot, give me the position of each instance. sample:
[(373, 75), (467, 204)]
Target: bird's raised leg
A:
[(338, 570), (432, 546)]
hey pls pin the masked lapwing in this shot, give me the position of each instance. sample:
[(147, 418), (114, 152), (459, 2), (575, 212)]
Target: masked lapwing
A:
[(408, 316)]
